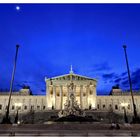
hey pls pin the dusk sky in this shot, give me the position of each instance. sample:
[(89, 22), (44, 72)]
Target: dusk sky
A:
[(54, 36)]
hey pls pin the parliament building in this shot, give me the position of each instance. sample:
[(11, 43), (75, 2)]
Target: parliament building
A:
[(57, 89)]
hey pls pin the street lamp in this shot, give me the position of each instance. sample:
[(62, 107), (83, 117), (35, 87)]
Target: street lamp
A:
[(6, 119), (135, 117), (18, 106), (124, 105)]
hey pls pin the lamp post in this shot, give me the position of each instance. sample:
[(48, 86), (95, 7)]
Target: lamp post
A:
[(124, 105), (18, 106), (6, 119), (135, 117)]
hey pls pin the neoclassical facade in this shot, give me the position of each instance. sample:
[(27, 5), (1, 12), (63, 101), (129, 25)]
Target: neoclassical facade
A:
[(57, 90)]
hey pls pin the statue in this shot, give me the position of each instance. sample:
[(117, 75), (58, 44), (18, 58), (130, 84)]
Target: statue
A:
[(71, 107)]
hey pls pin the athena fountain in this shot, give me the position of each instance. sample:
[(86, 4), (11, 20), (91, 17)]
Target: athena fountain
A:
[(72, 111)]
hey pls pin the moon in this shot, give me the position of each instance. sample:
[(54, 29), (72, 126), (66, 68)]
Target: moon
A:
[(17, 8)]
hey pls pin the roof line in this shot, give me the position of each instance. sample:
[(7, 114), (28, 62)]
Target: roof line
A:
[(70, 74)]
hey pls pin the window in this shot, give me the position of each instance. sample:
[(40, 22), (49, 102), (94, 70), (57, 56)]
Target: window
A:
[(32, 107), (128, 107), (116, 107), (103, 106), (0, 107), (43, 107), (98, 106), (51, 92), (13, 107), (25, 107), (38, 107), (90, 92)]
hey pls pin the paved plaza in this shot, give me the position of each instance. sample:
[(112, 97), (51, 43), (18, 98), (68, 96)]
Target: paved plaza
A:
[(70, 129)]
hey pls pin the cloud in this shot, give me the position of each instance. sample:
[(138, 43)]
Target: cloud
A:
[(117, 80), (108, 76), (136, 79), (36, 86), (101, 67), (123, 74), (124, 81)]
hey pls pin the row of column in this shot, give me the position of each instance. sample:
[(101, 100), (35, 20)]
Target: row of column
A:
[(61, 94)]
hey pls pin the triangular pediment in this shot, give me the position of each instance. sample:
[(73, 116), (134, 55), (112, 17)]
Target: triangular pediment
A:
[(74, 77)]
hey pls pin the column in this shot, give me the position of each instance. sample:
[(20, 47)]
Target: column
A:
[(81, 96), (61, 95), (42, 104), (48, 92), (29, 104), (75, 91), (94, 101), (49, 97), (54, 97), (87, 92), (67, 92)]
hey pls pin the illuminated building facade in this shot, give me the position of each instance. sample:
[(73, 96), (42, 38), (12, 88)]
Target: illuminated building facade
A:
[(57, 89)]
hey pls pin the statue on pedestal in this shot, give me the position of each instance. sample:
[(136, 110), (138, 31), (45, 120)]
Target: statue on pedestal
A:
[(71, 107)]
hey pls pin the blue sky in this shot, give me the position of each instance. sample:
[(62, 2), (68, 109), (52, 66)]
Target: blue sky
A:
[(54, 36)]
